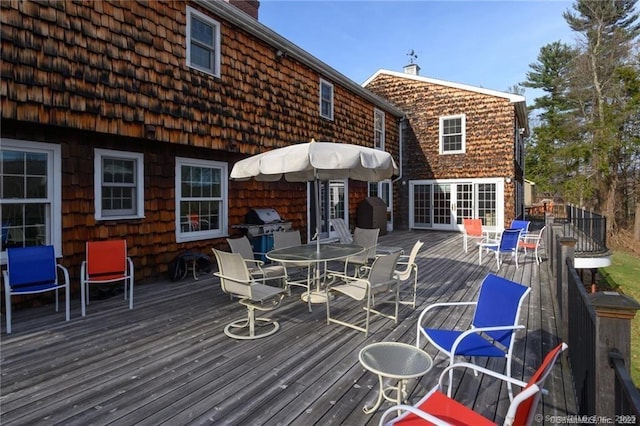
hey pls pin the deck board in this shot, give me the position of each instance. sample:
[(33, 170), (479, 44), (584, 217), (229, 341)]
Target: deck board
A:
[(168, 362)]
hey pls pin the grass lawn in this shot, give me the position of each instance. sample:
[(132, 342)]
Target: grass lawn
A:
[(624, 276)]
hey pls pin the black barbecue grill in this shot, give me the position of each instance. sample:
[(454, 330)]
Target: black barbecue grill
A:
[(259, 226)]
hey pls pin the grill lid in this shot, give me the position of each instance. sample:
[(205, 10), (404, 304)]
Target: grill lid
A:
[(262, 216)]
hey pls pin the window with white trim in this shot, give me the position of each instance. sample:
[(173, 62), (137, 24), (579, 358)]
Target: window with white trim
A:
[(201, 199), (30, 195), (326, 99), (378, 129), (452, 134), (203, 42), (118, 184)]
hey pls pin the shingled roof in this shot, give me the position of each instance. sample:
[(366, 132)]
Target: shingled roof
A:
[(518, 100)]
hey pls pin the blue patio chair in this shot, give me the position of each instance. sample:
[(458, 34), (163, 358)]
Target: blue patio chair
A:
[(33, 270), (492, 329), (523, 225), (508, 244)]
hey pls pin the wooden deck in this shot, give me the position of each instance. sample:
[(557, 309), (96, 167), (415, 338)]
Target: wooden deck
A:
[(168, 362)]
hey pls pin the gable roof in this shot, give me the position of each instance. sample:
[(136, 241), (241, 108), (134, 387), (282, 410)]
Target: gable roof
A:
[(519, 101), (261, 31)]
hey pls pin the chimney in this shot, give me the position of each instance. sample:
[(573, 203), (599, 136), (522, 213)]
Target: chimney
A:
[(413, 69), (249, 7)]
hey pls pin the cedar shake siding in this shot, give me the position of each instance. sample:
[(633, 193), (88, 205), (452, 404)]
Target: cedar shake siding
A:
[(113, 75), (492, 123)]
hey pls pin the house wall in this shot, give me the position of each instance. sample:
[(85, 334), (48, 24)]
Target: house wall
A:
[(490, 126), (113, 75)]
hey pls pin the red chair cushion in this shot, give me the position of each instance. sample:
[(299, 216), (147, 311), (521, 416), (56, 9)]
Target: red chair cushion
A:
[(447, 409), (107, 260)]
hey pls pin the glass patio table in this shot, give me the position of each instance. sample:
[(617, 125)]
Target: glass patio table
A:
[(314, 255)]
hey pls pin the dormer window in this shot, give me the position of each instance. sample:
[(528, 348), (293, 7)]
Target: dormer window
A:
[(203, 42)]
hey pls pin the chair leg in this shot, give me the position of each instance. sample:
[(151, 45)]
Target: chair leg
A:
[(130, 293), (509, 388), (7, 301), (67, 295), (83, 297), (415, 286)]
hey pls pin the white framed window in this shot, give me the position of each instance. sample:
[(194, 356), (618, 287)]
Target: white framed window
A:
[(452, 134), (378, 129), (326, 99), (203, 42), (118, 184), (201, 199), (30, 195)]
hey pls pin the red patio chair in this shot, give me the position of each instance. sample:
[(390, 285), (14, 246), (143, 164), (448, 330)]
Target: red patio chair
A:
[(472, 231), (532, 242), (436, 408), (107, 262)]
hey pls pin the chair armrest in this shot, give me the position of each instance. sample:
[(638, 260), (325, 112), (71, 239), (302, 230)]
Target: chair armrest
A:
[(257, 262), (476, 330), (414, 410), (531, 237), (7, 286), (441, 305), (342, 278), (130, 263), (65, 272), (235, 280)]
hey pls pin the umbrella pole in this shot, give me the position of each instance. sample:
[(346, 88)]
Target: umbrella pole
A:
[(316, 184)]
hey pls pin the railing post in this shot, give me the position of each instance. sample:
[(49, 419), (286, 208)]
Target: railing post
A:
[(566, 253), (614, 312), (548, 244)]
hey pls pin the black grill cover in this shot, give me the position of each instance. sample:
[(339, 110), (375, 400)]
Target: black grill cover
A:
[(262, 216)]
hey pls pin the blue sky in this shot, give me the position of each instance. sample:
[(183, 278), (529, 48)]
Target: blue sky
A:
[(482, 43)]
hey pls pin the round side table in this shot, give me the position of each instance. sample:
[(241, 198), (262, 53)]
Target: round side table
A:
[(396, 361)]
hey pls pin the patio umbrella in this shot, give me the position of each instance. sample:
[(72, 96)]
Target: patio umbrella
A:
[(315, 162)]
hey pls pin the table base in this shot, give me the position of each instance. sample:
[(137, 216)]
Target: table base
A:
[(400, 391), (317, 296)]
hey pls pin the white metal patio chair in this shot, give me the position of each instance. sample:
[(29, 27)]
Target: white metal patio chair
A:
[(381, 280), (531, 242), (32, 270), (438, 408), (410, 268), (298, 274), (256, 267), (236, 281), (492, 329), (367, 238), (508, 244), (341, 228), (473, 230)]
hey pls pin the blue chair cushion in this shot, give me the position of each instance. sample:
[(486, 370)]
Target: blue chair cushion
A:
[(24, 288), (472, 345), (31, 267)]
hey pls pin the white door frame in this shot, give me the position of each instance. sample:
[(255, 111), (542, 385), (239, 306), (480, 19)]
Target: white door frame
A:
[(452, 225)]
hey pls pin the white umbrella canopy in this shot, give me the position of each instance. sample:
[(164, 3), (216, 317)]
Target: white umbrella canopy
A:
[(317, 161), (307, 162)]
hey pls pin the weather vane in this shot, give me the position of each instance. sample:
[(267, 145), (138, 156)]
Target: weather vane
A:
[(412, 56)]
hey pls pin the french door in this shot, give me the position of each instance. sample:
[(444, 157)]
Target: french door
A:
[(443, 204), (333, 204)]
